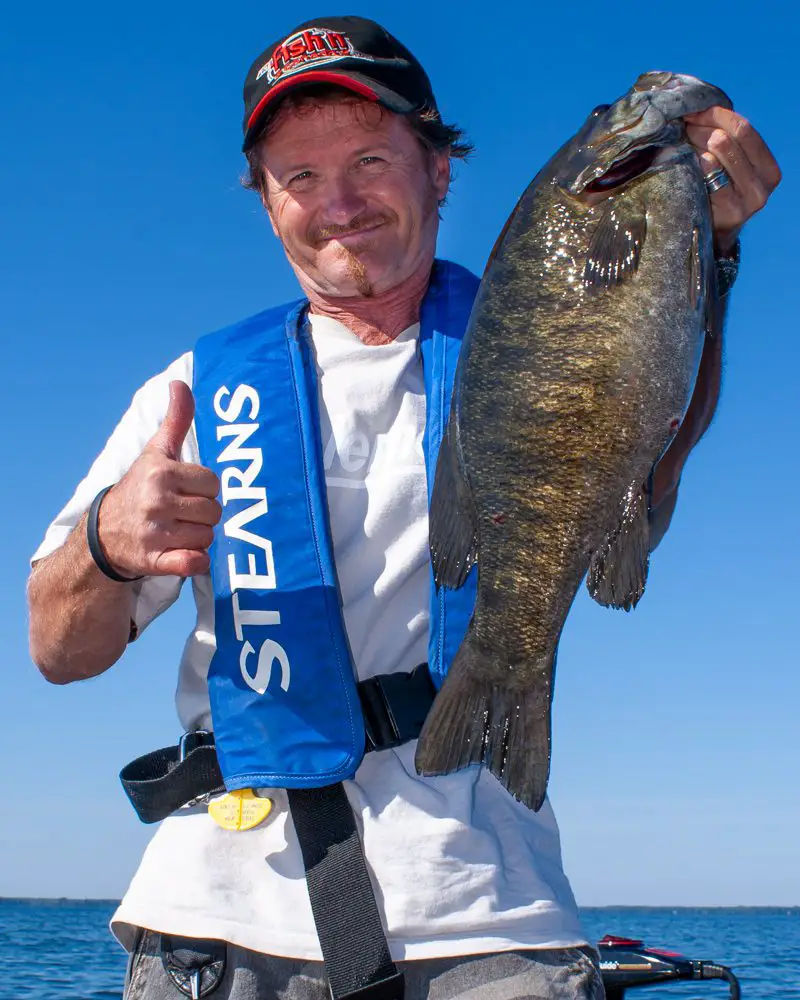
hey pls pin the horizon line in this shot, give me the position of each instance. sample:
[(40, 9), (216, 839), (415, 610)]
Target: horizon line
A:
[(588, 906)]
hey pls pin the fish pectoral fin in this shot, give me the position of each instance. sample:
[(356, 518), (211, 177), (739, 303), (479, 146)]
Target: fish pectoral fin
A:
[(453, 525), (618, 570), (616, 246)]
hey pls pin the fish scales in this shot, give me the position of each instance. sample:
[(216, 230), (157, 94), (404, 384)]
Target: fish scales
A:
[(573, 379), (576, 405)]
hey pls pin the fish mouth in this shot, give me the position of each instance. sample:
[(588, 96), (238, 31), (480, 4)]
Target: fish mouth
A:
[(624, 170), (641, 132), (632, 161)]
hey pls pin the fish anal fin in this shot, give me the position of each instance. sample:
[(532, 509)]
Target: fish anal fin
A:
[(618, 570), (453, 526), (616, 246)]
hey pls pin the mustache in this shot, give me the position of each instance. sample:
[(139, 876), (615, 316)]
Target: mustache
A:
[(355, 225)]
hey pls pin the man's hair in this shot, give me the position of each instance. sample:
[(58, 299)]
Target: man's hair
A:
[(433, 134)]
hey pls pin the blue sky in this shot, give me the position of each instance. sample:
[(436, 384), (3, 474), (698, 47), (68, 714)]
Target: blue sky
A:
[(126, 234)]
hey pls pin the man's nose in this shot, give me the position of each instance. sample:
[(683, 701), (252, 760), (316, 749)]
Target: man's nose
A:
[(342, 200)]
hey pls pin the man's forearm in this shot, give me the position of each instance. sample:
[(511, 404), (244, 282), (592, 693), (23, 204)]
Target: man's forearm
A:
[(79, 619), (158, 520), (699, 415)]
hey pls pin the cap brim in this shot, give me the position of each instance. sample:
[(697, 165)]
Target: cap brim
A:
[(359, 84)]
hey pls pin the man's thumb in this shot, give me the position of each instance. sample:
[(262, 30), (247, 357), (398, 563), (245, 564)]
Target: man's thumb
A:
[(175, 426)]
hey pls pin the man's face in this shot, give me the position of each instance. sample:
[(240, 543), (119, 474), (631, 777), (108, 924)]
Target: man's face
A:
[(352, 195)]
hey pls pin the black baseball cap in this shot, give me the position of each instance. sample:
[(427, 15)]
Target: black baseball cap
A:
[(350, 52)]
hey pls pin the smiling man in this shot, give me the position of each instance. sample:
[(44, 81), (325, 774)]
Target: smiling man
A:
[(319, 644), (353, 197)]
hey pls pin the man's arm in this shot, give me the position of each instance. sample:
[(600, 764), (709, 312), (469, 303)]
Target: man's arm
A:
[(725, 139), (80, 620), (156, 521), (668, 471), (698, 416)]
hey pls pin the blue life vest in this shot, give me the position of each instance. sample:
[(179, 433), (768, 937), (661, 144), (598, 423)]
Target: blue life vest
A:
[(282, 684)]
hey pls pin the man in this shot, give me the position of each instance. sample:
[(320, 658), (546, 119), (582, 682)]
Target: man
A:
[(352, 162)]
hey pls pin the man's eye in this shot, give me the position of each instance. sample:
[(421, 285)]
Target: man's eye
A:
[(368, 160), (302, 176)]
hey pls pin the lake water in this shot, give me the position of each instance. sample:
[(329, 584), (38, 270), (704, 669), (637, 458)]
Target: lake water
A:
[(62, 950)]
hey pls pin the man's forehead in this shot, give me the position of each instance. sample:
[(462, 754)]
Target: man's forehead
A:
[(345, 116)]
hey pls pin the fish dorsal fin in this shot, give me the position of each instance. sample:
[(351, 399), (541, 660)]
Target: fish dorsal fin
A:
[(616, 246), (453, 526), (618, 570), (499, 241)]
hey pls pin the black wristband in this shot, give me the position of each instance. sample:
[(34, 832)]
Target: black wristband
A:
[(95, 548), (728, 269)]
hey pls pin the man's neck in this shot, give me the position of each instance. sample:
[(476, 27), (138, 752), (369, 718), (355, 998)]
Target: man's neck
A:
[(377, 319)]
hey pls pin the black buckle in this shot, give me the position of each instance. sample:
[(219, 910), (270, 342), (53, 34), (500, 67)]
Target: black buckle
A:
[(395, 706), (195, 967), (191, 741)]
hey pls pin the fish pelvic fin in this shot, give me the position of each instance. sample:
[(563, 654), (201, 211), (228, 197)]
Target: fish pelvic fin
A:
[(618, 570), (616, 246), (477, 719), (453, 525)]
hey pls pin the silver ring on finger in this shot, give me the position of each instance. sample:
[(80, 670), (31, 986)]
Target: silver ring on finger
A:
[(717, 180)]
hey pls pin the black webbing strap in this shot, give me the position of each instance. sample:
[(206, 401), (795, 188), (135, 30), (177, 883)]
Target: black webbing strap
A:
[(357, 959), (394, 707), (162, 781)]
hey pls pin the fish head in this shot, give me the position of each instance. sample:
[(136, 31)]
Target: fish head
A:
[(638, 134)]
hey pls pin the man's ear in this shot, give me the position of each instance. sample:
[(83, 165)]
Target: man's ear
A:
[(267, 207), (440, 172), (268, 210), (263, 192)]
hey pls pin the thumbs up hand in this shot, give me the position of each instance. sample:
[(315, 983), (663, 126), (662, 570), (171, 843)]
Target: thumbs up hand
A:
[(159, 518), (177, 422)]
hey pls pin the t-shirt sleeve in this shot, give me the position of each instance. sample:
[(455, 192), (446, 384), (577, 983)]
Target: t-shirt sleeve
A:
[(152, 594)]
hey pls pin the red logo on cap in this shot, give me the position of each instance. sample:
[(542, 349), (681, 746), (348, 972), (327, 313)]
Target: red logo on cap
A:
[(310, 47)]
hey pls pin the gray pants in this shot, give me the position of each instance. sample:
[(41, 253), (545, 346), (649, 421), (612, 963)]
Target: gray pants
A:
[(536, 974)]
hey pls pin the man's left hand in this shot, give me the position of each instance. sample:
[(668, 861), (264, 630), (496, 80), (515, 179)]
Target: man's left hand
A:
[(724, 139)]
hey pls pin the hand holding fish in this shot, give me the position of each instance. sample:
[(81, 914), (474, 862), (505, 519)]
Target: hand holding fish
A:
[(725, 139)]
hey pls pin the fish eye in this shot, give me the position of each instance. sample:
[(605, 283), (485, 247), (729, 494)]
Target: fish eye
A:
[(599, 110)]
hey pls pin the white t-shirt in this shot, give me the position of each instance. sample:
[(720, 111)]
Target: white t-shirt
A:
[(460, 867)]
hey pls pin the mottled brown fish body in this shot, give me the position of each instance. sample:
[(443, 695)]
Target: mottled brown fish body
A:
[(570, 395), (577, 368)]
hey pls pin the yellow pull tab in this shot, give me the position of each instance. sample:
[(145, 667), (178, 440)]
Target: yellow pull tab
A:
[(240, 810)]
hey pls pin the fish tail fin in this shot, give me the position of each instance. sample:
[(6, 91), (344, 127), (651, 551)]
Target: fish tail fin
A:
[(476, 720)]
